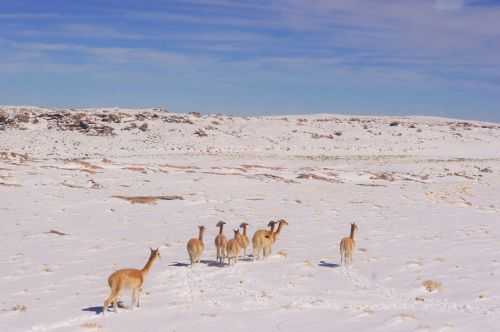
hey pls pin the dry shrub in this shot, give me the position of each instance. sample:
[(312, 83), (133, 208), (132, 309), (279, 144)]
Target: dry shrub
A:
[(22, 117), (370, 185), (382, 176), (147, 199), (317, 136), (19, 307), (282, 254), (431, 285), (136, 169), (407, 316), (200, 133), (249, 166), (69, 185), (6, 155), (56, 232), (312, 176), (86, 164), (91, 325), (9, 184), (179, 166), (273, 177)]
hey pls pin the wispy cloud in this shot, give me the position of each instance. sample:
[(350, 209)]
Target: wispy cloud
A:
[(448, 4), (29, 16), (447, 44)]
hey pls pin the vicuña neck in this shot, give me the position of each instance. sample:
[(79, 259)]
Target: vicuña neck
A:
[(352, 232), (220, 229), (149, 263), (245, 230), (279, 228), (200, 236)]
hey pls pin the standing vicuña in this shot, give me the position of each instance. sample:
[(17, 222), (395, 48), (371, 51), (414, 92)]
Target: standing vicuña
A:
[(233, 248), (347, 246), (262, 239), (243, 238), (195, 247), (220, 243), (275, 235), (271, 238), (129, 279)]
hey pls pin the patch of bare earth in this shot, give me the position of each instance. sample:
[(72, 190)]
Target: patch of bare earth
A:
[(91, 326), (165, 168), (13, 157), (382, 176), (9, 184), (85, 166), (274, 177), (136, 169), (56, 232), (249, 166), (148, 199), (312, 176)]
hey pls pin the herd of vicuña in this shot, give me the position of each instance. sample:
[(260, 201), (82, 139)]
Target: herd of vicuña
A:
[(227, 251)]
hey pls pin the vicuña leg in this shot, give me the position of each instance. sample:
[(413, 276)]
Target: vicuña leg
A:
[(134, 298), (112, 298), (139, 293)]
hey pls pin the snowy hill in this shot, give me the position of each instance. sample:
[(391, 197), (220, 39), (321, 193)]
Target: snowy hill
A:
[(425, 193)]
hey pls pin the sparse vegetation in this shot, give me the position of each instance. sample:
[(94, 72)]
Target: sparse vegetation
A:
[(148, 199), (432, 286)]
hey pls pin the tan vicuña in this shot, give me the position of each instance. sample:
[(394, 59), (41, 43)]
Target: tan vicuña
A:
[(129, 279), (243, 238), (347, 246), (220, 243), (195, 247), (262, 239), (271, 238), (233, 248)]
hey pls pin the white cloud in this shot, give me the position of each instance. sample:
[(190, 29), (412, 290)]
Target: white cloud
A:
[(402, 38)]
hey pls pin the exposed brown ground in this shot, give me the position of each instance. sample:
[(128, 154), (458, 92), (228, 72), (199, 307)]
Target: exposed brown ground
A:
[(147, 199)]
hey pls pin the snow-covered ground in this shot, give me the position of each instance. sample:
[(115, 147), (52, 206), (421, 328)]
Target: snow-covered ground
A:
[(425, 193)]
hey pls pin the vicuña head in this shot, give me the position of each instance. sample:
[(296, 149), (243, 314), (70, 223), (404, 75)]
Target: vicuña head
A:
[(354, 229), (129, 279), (281, 222)]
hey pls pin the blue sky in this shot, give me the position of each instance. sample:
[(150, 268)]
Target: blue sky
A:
[(429, 57)]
